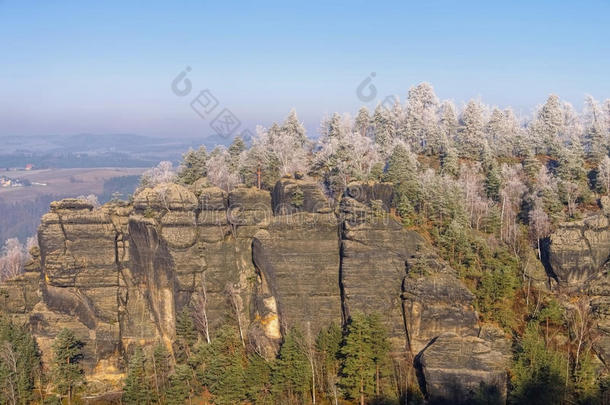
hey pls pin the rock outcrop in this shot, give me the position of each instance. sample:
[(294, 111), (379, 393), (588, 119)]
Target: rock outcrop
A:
[(578, 250), (119, 275), (578, 256)]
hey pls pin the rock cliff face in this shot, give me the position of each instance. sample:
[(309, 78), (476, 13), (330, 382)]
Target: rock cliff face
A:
[(578, 250), (119, 275), (578, 256)]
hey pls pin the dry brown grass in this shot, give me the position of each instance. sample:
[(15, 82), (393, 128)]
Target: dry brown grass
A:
[(64, 182)]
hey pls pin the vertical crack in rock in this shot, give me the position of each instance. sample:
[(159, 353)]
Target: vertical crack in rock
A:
[(275, 260)]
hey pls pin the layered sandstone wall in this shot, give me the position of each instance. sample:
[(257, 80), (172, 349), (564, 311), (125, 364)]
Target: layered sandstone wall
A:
[(119, 275)]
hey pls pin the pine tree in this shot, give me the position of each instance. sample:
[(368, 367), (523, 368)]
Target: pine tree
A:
[(448, 122), (160, 370), (595, 134), (291, 372), (236, 147), (358, 365), (493, 180), (383, 130), (328, 344), (421, 119), (66, 368), (180, 385), (380, 348), (450, 164), (603, 176), (137, 390), (334, 129), (295, 129), (258, 380), (186, 334), (363, 121), (235, 150), (220, 366), (19, 362), (531, 165), (470, 136), (548, 126), (193, 166), (539, 372), (402, 172)]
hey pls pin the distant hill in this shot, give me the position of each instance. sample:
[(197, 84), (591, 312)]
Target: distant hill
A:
[(87, 150)]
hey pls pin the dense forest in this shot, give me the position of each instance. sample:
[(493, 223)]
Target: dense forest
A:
[(485, 187)]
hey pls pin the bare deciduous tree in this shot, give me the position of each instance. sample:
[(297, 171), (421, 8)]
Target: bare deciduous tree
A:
[(9, 359), (14, 257), (581, 325), (511, 196), (200, 311), (236, 304), (572, 194), (540, 225)]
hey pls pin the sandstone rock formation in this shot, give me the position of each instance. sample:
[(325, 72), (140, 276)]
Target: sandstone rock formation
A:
[(119, 275), (578, 255), (578, 250)]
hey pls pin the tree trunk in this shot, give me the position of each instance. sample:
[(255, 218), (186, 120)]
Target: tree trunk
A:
[(361, 391), (155, 376), (377, 380), (313, 378)]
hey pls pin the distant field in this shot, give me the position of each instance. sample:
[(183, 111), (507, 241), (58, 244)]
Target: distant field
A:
[(62, 182), (22, 207)]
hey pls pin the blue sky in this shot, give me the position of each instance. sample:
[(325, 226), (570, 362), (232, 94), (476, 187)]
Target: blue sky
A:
[(80, 67)]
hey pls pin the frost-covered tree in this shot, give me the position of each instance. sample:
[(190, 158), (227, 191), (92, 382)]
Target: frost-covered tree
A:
[(572, 124), (422, 130), (502, 131), (221, 171), (284, 149), (91, 199), (470, 138), (383, 129), (511, 198), (539, 222), (362, 124), (340, 160), (595, 130), (603, 175), (571, 161), (548, 125), (472, 182), (334, 126), (546, 189), (294, 129), (448, 121), (162, 173)]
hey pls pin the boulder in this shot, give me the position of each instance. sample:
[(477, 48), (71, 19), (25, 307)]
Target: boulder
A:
[(455, 367)]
